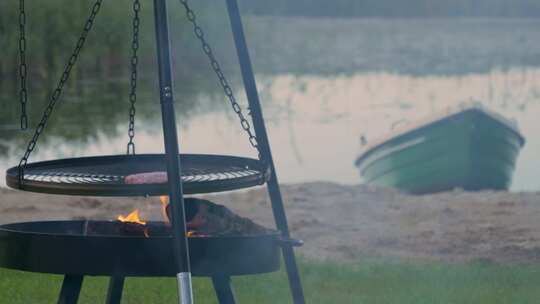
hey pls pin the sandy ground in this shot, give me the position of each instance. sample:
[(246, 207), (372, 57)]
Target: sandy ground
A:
[(347, 223)]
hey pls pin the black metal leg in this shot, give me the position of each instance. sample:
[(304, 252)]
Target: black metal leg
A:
[(71, 288), (266, 153), (170, 134), (223, 288), (116, 286)]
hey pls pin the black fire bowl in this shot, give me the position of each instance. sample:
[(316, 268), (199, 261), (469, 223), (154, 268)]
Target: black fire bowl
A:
[(98, 248)]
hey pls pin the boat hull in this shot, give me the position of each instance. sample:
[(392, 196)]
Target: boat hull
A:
[(470, 150)]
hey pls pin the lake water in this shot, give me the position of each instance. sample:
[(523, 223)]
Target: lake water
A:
[(323, 84)]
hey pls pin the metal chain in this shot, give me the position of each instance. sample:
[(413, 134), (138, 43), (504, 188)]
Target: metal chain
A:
[(23, 93), (58, 91), (219, 73), (133, 80)]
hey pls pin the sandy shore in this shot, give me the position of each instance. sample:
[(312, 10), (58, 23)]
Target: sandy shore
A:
[(347, 223)]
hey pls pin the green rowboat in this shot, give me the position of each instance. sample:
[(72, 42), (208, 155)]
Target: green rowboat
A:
[(470, 148)]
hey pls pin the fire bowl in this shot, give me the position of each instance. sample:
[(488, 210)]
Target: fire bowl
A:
[(99, 248)]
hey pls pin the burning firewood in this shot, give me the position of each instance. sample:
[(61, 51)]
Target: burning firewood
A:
[(203, 218), (207, 218), (120, 228)]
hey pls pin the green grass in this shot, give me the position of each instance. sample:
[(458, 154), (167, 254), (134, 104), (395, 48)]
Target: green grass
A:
[(374, 281)]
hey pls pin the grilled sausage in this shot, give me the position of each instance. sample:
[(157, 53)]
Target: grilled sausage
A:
[(146, 178)]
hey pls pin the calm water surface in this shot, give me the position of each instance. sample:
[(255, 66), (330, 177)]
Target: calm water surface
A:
[(316, 115)]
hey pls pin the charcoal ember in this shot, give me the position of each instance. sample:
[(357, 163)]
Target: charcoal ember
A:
[(207, 218)]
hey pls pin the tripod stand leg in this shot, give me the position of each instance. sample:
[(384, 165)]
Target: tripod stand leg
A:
[(223, 288), (116, 286), (172, 160), (71, 288), (264, 146)]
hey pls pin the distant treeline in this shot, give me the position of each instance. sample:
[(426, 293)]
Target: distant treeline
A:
[(395, 8), (53, 27)]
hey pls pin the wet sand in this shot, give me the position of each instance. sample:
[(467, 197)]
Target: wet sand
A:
[(346, 223)]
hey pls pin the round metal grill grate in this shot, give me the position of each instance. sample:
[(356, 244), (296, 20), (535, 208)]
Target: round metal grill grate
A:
[(105, 175)]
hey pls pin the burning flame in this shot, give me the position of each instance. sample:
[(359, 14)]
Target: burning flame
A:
[(133, 217)]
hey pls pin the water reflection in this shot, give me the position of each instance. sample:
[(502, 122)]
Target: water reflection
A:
[(94, 109), (315, 122)]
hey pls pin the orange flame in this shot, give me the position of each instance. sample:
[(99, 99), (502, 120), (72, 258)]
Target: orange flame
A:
[(133, 217)]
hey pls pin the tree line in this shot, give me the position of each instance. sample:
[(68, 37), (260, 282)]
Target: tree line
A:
[(395, 8)]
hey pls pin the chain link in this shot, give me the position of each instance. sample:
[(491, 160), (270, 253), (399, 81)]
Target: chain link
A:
[(133, 80), (219, 73), (58, 91), (23, 94)]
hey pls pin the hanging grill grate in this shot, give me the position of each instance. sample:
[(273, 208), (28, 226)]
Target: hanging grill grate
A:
[(105, 175)]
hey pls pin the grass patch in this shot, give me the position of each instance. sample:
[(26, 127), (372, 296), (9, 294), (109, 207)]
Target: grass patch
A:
[(373, 281)]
